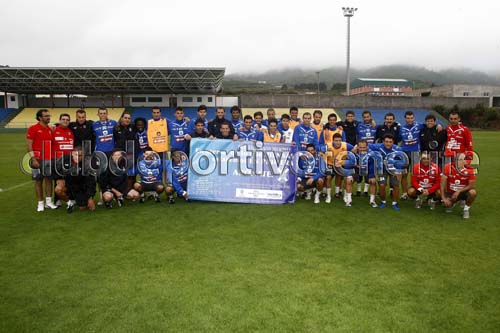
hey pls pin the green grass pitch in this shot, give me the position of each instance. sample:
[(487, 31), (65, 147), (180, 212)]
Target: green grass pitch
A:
[(231, 267)]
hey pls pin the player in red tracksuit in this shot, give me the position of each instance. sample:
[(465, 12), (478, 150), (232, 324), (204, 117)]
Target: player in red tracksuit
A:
[(459, 137), (458, 182), (425, 180)]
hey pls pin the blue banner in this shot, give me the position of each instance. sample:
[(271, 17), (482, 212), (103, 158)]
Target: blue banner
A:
[(241, 171)]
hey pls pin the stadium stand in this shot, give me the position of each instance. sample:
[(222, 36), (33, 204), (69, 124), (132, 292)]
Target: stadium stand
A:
[(280, 111), (379, 114), (168, 112), (26, 117), (4, 113)]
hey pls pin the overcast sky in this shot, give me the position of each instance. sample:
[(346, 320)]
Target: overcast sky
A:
[(252, 35)]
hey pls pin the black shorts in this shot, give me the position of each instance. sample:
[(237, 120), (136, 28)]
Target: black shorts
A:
[(393, 180), (461, 196), (46, 170), (150, 187), (305, 185)]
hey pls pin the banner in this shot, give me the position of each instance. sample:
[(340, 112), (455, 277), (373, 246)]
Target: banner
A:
[(241, 171)]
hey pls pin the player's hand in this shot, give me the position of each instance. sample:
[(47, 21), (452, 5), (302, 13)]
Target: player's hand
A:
[(187, 137), (91, 204), (425, 192), (235, 137), (455, 195), (186, 195), (34, 163), (340, 128), (447, 202)]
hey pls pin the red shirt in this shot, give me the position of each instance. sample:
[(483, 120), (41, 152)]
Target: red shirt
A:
[(42, 141), (62, 141), (457, 180), (426, 177), (459, 140)]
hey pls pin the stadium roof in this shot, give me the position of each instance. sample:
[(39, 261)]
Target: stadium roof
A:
[(110, 80), (361, 82)]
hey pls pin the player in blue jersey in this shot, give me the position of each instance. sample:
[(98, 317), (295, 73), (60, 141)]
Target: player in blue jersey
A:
[(258, 118), (384, 149), (177, 129), (141, 134), (236, 118), (271, 114), (103, 131), (367, 129), (177, 173), (285, 129), (248, 132), (311, 173), (304, 133), (366, 168), (202, 114), (150, 170), (410, 144)]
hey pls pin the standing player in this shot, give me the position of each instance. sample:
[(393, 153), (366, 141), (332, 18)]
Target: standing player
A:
[(258, 119), (214, 126), (350, 127), (410, 144), (294, 117), (311, 169), (272, 134), (386, 148), (177, 129), (432, 140), (271, 114), (83, 130), (458, 182), (141, 134), (388, 127), (317, 124), (459, 137), (158, 132), (39, 143), (330, 129), (285, 129), (103, 131), (248, 133), (202, 114), (425, 180), (366, 130), (304, 134), (236, 118)]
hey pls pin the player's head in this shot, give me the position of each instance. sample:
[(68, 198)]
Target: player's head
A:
[(248, 122), (199, 125), (388, 141), (367, 117), (179, 113), (258, 116), (140, 124), (317, 115), (43, 116), (311, 149), (425, 158), (285, 121), (149, 154), (294, 112), (64, 120), (102, 113), (116, 155), (81, 116), (202, 111), (332, 119), (273, 125), (349, 116), (177, 156), (271, 114), (235, 112), (220, 112), (337, 140), (389, 118), (430, 121), (306, 118), (363, 146), (454, 118), (409, 117), (224, 129), (126, 118), (156, 112)]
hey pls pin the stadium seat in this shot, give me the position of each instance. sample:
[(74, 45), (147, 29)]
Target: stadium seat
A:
[(4, 113)]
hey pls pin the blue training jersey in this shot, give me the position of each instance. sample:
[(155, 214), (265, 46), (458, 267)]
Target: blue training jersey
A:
[(312, 167), (249, 135), (192, 125), (177, 174), (104, 135), (410, 137), (304, 135), (177, 129), (142, 138), (367, 132), (237, 123), (150, 170), (380, 148)]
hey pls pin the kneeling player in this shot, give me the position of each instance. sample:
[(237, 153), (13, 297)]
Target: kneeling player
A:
[(425, 180), (178, 176), (150, 170), (80, 186), (458, 182), (311, 169), (114, 181)]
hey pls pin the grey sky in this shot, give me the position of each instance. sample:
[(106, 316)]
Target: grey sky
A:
[(252, 35)]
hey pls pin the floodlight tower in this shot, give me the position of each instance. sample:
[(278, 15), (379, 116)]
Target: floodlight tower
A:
[(348, 12)]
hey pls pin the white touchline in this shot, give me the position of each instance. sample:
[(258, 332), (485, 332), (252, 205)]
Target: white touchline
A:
[(15, 186)]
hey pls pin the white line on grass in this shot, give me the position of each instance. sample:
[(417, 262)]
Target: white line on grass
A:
[(15, 186)]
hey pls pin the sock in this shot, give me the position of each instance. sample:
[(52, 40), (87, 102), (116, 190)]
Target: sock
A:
[(372, 197), (337, 189), (349, 197), (383, 201), (359, 187), (329, 192), (394, 203), (48, 199), (316, 195), (366, 187), (40, 202), (466, 207)]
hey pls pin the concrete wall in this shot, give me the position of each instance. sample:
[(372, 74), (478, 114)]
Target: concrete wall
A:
[(368, 102)]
